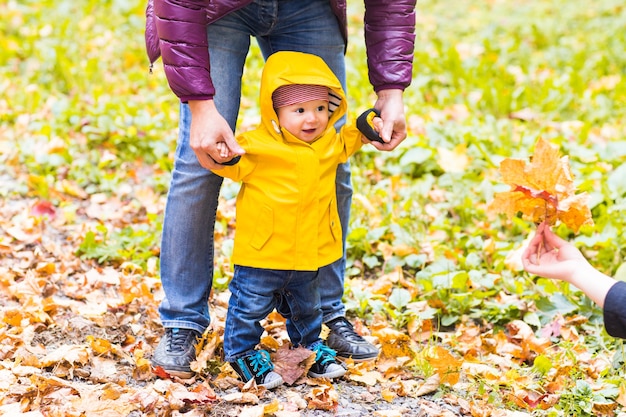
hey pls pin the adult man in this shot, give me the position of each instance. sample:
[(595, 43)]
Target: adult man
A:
[(204, 45)]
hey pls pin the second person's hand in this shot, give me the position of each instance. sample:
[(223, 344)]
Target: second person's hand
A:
[(550, 256), (208, 128), (392, 123)]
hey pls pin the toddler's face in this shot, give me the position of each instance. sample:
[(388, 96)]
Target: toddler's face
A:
[(306, 121)]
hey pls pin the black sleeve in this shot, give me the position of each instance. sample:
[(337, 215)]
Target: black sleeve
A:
[(615, 310)]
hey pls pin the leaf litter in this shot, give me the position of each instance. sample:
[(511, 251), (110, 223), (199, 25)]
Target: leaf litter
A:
[(76, 337)]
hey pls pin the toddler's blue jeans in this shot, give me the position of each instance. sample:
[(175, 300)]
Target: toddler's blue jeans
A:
[(256, 292)]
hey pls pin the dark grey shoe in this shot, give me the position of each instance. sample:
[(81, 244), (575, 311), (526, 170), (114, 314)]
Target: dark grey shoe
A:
[(348, 343), (176, 351)]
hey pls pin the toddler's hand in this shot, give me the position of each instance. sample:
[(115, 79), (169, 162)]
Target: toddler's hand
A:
[(223, 150)]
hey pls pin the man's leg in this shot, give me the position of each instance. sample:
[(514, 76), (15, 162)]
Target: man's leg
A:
[(313, 28), (186, 256), (187, 243)]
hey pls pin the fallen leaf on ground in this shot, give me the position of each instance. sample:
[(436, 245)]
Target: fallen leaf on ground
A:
[(292, 363)]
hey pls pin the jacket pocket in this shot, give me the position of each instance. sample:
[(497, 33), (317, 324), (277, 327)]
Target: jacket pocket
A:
[(264, 228), (333, 220)]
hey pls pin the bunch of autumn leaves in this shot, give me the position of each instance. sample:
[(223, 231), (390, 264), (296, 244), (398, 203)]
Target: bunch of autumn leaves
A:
[(542, 190)]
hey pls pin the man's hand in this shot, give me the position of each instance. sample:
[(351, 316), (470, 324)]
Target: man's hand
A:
[(392, 122), (208, 128)]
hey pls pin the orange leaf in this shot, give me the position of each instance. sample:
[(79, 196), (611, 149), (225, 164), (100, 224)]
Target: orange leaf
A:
[(394, 343), (444, 363), (542, 190), (323, 397)]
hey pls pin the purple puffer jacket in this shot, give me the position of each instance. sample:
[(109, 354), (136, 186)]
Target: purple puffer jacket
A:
[(176, 30)]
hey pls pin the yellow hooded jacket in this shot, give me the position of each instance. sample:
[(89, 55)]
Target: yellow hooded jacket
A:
[(287, 215)]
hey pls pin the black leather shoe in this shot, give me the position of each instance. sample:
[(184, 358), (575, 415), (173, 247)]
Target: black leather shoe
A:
[(176, 351), (347, 343)]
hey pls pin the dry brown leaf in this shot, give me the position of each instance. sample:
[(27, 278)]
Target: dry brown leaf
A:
[(71, 354), (95, 401), (292, 363), (429, 386), (388, 394), (103, 369), (211, 340), (420, 330), (521, 332), (394, 343), (323, 397), (481, 371), (15, 409), (370, 378), (542, 190), (7, 379), (254, 411), (294, 401), (604, 409)]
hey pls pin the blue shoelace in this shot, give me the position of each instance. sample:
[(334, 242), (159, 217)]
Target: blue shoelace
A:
[(324, 353), (261, 362)]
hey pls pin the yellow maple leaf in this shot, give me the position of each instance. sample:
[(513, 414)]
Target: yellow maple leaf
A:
[(443, 363), (542, 190)]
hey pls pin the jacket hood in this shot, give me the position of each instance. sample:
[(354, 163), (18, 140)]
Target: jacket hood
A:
[(288, 67)]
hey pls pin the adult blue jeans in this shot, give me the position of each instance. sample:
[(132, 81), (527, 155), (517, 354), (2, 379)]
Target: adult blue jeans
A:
[(256, 292), (187, 241)]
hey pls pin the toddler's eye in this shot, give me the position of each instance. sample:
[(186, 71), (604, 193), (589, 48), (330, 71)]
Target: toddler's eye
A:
[(300, 110), (321, 108)]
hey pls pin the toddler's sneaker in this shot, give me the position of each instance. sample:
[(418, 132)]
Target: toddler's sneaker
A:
[(258, 366), (325, 366)]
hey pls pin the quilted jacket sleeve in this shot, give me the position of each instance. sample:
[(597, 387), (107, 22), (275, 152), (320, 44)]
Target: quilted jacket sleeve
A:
[(615, 310), (390, 40), (181, 29)]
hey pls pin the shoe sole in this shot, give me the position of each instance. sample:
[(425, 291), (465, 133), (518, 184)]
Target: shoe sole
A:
[(172, 372), (357, 359), (273, 384), (330, 375)]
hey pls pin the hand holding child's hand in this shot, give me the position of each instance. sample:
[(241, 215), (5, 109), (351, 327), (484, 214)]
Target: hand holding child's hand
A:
[(208, 129), (393, 128)]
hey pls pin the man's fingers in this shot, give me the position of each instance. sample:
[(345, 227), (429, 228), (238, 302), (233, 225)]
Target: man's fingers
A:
[(207, 161), (233, 146)]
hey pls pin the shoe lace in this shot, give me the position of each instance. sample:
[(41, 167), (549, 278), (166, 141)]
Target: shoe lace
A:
[(324, 354), (344, 329), (261, 362), (178, 339)]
